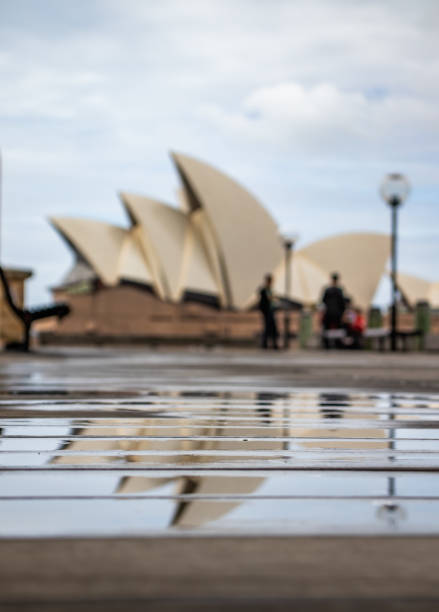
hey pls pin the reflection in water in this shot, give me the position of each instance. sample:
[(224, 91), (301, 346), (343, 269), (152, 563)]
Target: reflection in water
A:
[(196, 513), (185, 465), (192, 513), (331, 404), (390, 511), (334, 407), (223, 429)]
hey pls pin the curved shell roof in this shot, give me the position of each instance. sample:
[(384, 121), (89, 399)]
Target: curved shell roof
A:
[(433, 295), (220, 242), (417, 289), (97, 242), (162, 230), (196, 272), (306, 280), (202, 227), (132, 265), (359, 258), (245, 235), (173, 245)]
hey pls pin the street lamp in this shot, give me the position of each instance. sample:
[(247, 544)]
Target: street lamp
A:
[(288, 240), (394, 190)]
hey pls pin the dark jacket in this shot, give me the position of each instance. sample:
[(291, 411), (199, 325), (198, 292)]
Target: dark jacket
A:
[(265, 301), (334, 301)]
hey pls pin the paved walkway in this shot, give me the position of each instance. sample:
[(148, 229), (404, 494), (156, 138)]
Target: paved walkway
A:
[(216, 465), (133, 369)]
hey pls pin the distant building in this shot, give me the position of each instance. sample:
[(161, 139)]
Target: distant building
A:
[(193, 272), (415, 289), (11, 327)]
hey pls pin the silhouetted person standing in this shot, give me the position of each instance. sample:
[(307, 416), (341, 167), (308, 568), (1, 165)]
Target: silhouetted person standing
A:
[(335, 303), (266, 306)]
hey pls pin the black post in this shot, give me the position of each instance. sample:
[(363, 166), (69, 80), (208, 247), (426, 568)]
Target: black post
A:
[(26, 338), (288, 248), (394, 314)]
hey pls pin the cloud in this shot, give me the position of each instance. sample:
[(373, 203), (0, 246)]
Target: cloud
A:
[(325, 120), (47, 93)]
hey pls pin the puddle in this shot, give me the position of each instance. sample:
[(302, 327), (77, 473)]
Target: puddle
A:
[(168, 517), (220, 462)]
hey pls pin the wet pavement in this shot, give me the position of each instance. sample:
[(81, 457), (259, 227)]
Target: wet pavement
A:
[(194, 480), (112, 447)]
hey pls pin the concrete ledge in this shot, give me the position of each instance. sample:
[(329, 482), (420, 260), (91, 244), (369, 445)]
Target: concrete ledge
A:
[(224, 604), (303, 573), (55, 339)]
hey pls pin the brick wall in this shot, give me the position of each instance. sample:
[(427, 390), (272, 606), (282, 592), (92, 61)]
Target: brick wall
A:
[(130, 312)]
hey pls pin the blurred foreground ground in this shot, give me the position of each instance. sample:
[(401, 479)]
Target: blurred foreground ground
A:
[(263, 396), (129, 369)]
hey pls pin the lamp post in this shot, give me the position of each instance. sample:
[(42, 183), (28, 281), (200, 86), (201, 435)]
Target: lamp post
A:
[(288, 241), (394, 190)]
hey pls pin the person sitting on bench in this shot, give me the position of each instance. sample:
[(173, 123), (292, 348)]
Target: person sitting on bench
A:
[(354, 322)]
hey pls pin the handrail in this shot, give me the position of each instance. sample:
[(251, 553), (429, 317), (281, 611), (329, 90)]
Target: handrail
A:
[(27, 317), (8, 296)]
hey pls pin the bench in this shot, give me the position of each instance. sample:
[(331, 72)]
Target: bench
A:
[(28, 316), (377, 335)]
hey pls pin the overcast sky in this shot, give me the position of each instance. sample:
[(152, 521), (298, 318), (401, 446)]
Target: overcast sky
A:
[(307, 103)]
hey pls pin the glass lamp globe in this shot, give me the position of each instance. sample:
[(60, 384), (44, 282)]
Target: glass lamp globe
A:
[(289, 238), (394, 189)]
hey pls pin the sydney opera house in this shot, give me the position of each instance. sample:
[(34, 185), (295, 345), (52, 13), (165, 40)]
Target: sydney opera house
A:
[(193, 270)]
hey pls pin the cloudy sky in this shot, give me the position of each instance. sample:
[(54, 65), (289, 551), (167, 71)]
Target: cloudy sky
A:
[(308, 103)]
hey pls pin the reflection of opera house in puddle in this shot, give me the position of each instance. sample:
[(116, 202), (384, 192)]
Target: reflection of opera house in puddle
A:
[(192, 271), (266, 430)]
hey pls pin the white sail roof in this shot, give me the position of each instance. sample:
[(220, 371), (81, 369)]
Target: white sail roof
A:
[(162, 230), (306, 280), (416, 289), (97, 242), (245, 234), (196, 274), (359, 258), (221, 242), (132, 264)]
